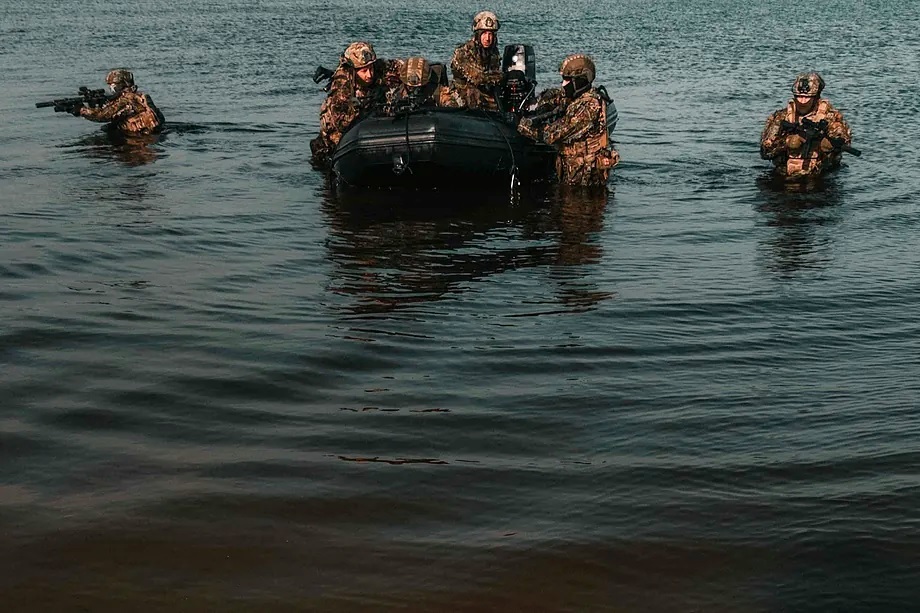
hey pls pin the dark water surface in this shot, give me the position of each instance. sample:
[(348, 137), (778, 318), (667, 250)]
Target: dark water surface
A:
[(224, 386)]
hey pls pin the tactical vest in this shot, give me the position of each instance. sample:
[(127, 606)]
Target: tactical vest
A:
[(148, 120), (819, 114), (795, 164), (596, 145)]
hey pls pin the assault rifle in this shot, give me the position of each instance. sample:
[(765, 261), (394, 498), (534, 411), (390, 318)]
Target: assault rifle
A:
[(322, 74), (813, 132), (541, 119), (555, 113), (413, 101), (88, 97)]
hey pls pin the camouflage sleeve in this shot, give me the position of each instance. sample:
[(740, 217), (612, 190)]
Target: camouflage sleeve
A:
[(526, 128), (391, 72), (448, 97), (837, 126), (339, 109), (549, 99), (391, 98), (455, 64), (772, 141), (121, 108), (582, 116), (341, 92)]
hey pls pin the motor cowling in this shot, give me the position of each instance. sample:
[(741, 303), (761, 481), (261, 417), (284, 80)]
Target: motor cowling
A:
[(519, 70)]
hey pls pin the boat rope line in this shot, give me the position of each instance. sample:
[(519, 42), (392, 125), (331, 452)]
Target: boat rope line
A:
[(400, 163), (510, 150), (533, 88), (408, 146)]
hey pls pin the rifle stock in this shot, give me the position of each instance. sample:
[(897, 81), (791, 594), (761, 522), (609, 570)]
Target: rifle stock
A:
[(321, 74)]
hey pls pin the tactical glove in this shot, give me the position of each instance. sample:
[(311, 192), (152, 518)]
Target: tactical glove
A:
[(794, 141)]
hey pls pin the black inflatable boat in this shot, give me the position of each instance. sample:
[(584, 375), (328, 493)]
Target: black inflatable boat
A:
[(426, 147), (439, 147)]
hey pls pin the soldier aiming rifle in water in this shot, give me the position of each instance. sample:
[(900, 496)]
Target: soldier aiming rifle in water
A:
[(127, 110), (91, 98)]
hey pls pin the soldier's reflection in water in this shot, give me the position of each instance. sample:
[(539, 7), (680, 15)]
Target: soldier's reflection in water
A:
[(127, 189), (395, 249), (798, 211), (129, 150), (579, 213)]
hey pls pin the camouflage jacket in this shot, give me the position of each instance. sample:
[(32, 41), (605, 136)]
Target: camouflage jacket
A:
[(130, 112), (579, 134), (348, 100), (581, 121), (476, 74), (787, 154)]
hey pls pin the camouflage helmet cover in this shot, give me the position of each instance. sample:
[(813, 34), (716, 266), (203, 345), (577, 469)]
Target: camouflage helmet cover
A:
[(415, 72), (120, 76), (486, 20), (578, 64), (359, 54), (808, 84)]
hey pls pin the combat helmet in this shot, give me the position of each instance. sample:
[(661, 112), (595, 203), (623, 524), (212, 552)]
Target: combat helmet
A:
[(577, 65), (119, 79), (415, 72), (808, 84), (358, 55), (486, 20)]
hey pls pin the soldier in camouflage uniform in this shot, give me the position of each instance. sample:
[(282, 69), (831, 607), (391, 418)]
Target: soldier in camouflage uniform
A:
[(786, 149), (477, 64), (357, 87), (419, 86), (129, 111), (580, 131)]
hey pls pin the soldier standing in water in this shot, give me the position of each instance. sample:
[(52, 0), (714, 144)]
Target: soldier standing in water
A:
[(580, 132), (809, 135)]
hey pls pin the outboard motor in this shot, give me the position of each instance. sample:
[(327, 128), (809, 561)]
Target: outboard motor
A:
[(519, 69)]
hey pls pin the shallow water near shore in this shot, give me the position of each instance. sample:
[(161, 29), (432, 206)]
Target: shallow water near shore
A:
[(225, 385)]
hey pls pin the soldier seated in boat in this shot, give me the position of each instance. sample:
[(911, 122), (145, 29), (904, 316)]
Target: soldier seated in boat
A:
[(809, 135), (476, 64), (420, 85), (576, 123), (357, 87)]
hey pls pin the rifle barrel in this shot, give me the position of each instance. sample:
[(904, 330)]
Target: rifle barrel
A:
[(63, 102), (851, 150)]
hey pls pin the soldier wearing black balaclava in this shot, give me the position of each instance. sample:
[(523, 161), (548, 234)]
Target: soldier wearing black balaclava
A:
[(580, 132)]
